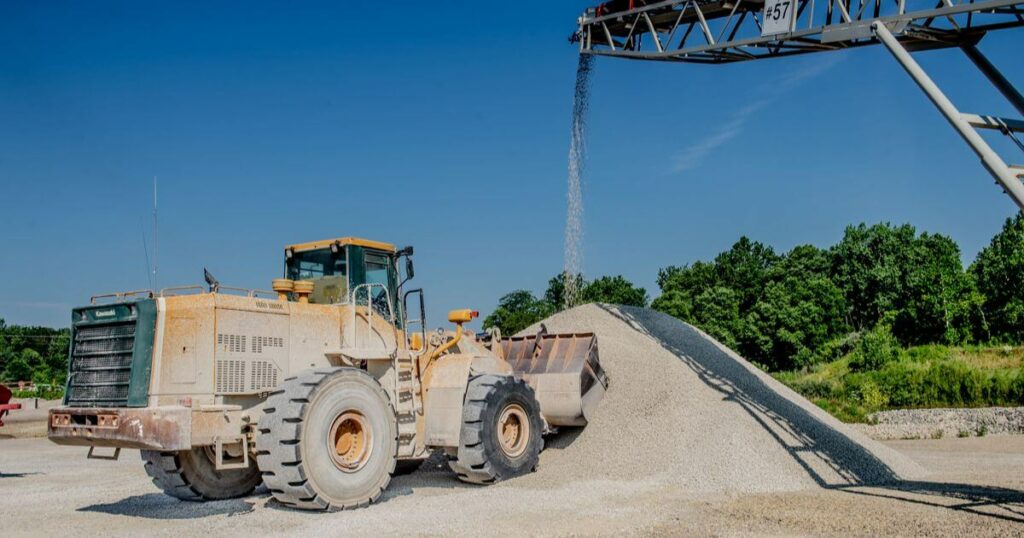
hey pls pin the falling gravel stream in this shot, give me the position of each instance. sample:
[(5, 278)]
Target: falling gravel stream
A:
[(573, 262)]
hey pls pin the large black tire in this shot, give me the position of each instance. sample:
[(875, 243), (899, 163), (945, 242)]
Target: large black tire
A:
[(190, 475), (483, 457), (327, 440)]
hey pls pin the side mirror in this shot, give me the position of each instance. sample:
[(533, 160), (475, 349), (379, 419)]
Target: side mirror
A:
[(409, 270)]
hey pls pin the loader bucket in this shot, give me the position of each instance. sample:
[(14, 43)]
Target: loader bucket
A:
[(563, 370)]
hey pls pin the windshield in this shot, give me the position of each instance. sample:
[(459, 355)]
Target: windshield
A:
[(327, 270)]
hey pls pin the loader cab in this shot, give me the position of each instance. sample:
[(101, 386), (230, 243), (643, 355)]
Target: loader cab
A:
[(338, 266)]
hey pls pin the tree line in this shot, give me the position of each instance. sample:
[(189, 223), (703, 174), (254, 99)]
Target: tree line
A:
[(809, 305), (37, 354), (879, 287)]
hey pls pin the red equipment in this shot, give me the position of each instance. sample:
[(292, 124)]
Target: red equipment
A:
[(5, 405)]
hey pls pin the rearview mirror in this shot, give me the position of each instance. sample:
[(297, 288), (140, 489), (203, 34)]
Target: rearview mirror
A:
[(409, 270)]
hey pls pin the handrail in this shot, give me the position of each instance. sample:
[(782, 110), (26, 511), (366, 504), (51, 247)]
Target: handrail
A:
[(354, 300), (172, 290), (121, 295), (252, 293), (421, 321)]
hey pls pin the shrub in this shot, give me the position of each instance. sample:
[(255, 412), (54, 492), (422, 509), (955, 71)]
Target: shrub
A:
[(872, 396), (874, 350)]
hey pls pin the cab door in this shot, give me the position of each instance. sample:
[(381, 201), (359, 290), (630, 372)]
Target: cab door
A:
[(370, 266)]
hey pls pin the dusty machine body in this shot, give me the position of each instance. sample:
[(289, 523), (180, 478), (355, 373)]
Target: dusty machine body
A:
[(213, 372)]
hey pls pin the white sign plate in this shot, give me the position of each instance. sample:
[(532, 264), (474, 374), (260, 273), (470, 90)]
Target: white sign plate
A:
[(779, 17)]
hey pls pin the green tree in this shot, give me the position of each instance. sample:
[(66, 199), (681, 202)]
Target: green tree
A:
[(614, 290), (716, 311), (999, 270), (56, 358), (518, 310), (18, 369), (940, 302), (798, 312), (804, 261), (745, 269), (916, 282), (870, 265), (716, 296), (680, 285), (794, 318), (6, 350), (555, 294), (691, 279)]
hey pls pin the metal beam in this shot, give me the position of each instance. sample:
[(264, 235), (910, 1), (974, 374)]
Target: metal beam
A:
[(921, 24), (989, 159), (994, 76)]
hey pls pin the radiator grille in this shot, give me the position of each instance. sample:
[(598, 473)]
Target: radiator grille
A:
[(263, 375), (230, 376), (259, 342), (234, 343), (235, 376), (101, 363)]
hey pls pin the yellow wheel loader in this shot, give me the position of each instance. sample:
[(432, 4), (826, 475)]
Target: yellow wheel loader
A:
[(323, 388)]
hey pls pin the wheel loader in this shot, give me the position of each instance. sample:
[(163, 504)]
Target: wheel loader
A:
[(322, 388)]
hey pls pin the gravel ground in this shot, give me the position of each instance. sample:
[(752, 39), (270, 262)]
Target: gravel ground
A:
[(689, 440), (976, 489), (931, 423), (30, 420)]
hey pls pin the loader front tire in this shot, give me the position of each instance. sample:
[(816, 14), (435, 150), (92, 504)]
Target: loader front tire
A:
[(190, 475), (501, 430), (327, 440)]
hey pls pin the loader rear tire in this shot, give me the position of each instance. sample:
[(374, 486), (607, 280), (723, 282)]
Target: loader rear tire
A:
[(190, 475), (327, 440), (501, 430)]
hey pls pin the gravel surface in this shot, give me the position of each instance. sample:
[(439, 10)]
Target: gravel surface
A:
[(931, 423), (690, 439), (30, 420), (975, 489), (683, 409)]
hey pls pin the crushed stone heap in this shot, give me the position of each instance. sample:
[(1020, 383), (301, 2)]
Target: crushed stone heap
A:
[(682, 408)]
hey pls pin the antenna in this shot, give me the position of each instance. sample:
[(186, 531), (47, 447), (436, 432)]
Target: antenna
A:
[(156, 238), (145, 251)]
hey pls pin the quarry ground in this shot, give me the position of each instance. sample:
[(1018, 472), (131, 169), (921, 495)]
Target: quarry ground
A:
[(690, 439), (975, 487)]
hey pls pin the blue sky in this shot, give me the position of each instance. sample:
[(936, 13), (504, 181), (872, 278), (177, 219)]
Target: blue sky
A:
[(444, 125)]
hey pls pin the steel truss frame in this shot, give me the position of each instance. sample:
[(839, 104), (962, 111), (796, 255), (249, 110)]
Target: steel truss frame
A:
[(719, 31), (730, 31)]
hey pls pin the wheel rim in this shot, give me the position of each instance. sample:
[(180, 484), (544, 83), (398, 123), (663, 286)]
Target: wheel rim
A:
[(513, 430), (350, 441)]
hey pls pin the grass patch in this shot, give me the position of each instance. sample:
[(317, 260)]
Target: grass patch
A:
[(854, 386), (45, 393)]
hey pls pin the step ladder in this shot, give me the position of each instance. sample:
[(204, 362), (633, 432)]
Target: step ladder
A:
[(409, 406), (967, 125), (361, 345), (407, 402)]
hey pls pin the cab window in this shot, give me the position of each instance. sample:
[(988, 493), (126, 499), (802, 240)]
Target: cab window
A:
[(377, 272), (327, 270)]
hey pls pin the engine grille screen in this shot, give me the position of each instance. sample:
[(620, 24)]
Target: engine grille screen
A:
[(101, 364), (245, 376)]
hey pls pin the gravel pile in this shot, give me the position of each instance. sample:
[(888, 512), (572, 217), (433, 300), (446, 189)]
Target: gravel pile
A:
[(682, 408), (933, 423)]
